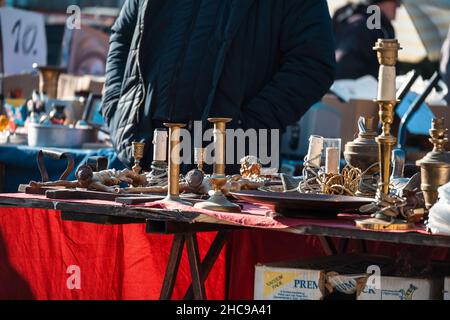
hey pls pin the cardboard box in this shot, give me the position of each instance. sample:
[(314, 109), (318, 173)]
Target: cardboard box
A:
[(397, 288), (350, 113), (69, 85), (24, 84), (344, 276)]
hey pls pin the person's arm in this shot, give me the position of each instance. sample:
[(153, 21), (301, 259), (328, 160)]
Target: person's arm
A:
[(306, 69), (121, 35)]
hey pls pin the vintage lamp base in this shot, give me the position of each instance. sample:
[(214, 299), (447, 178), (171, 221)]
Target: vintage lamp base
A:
[(381, 224), (218, 202), (172, 199)]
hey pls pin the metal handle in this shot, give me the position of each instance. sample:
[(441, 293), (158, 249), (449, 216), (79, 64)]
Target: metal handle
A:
[(413, 109), (55, 155)]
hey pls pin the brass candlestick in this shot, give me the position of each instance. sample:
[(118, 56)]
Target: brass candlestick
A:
[(218, 201), (48, 79), (138, 154), (199, 158), (386, 142), (387, 214), (387, 54), (173, 195), (435, 166)]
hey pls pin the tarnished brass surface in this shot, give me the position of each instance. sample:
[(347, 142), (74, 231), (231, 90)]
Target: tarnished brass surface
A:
[(48, 79), (435, 166), (174, 164), (138, 154), (363, 151)]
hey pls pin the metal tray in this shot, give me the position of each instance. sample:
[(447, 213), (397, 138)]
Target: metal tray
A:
[(295, 204)]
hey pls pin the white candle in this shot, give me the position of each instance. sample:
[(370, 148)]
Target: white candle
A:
[(160, 145), (332, 160), (315, 150), (386, 86)]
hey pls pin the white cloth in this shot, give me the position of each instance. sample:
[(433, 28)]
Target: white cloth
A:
[(439, 217)]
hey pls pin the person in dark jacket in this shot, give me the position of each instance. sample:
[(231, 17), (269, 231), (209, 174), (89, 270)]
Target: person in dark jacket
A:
[(262, 63), (355, 40)]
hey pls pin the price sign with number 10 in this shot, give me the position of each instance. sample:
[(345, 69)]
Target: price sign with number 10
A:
[(23, 40)]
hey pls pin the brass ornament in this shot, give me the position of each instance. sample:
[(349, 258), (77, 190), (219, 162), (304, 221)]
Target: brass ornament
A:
[(138, 154), (435, 166)]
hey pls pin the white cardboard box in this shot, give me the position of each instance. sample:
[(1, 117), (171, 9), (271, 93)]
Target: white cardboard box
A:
[(397, 288), (308, 281)]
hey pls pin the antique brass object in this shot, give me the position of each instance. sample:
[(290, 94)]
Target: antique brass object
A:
[(218, 201), (48, 79), (362, 152), (386, 142), (435, 166), (173, 194), (138, 154), (383, 225)]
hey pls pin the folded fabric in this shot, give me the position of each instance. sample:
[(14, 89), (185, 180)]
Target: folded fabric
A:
[(439, 217)]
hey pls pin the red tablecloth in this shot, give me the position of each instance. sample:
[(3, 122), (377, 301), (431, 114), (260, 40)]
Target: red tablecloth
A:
[(123, 262)]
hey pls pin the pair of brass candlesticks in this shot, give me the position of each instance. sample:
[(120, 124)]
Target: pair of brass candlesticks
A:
[(217, 200)]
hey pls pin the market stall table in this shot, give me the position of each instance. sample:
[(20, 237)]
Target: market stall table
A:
[(184, 223)]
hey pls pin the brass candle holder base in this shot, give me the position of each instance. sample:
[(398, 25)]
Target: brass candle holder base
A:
[(377, 224), (175, 199), (218, 201)]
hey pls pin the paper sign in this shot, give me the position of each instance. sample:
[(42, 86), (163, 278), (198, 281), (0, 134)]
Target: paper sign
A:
[(24, 41)]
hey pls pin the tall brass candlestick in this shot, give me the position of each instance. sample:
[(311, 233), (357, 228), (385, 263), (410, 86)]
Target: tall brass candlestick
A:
[(387, 53), (174, 164), (218, 201)]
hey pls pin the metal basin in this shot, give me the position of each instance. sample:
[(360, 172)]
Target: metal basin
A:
[(58, 136)]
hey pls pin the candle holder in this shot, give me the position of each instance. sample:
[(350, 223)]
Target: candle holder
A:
[(386, 142), (173, 194), (199, 158), (218, 201), (386, 216), (48, 79), (138, 154)]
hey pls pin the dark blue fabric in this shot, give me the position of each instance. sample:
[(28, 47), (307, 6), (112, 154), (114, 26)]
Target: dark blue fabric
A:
[(177, 57), (21, 165)]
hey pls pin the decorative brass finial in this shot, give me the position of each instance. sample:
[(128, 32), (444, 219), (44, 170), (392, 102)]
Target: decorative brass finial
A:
[(439, 135), (138, 154)]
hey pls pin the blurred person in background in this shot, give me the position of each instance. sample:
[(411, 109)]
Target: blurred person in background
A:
[(355, 41), (262, 63)]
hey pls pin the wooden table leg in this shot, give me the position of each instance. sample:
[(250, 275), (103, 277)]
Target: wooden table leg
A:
[(209, 260), (328, 245), (172, 267), (196, 269)]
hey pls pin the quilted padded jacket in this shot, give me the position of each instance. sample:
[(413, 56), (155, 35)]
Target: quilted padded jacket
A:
[(280, 54)]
